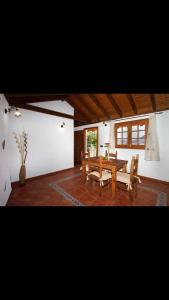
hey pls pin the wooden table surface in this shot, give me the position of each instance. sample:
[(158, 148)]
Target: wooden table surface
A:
[(113, 165)]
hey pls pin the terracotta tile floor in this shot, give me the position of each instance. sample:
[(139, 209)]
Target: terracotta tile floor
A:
[(37, 192)]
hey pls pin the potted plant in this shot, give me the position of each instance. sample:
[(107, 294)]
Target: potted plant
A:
[(21, 141)]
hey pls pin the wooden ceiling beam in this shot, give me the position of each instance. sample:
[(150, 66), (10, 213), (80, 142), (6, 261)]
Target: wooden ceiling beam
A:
[(81, 107), (101, 107), (45, 111), (31, 98), (114, 104), (132, 103), (153, 102)]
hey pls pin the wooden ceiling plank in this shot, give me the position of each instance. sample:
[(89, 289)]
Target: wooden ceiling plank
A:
[(90, 109), (101, 107), (114, 104), (153, 102), (78, 109), (132, 103)]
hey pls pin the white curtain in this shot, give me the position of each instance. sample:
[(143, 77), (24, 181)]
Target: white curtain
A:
[(112, 137), (152, 144)]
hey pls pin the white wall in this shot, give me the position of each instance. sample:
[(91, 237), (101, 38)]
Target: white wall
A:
[(4, 155), (154, 169), (50, 147)]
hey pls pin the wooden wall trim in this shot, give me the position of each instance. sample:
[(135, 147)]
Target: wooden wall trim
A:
[(13, 184), (154, 179)]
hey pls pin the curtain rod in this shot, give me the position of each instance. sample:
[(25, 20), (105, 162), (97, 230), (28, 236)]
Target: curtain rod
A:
[(146, 115)]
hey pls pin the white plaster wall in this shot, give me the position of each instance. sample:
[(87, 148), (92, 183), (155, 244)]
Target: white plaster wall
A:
[(4, 154), (154, 169), (60, 106), (50, 147)]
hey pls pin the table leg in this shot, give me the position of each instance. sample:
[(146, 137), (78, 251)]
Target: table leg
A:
[(114, 173), (84, 171)]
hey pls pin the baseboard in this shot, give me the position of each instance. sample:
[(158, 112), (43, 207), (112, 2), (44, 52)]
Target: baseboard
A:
[(154, 180), (13, 184)]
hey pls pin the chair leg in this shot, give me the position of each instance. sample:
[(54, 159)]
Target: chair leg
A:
[(100, 190), (131, 194), (136, 190)]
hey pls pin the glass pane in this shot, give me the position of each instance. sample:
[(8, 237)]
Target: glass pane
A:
[(119, 135), (141, 127), (125, 141), (141, 134), (134, 141), (119, 129), (119, 141), (134, 128), (141, 141), (125, 129), (125, 135), (134, 134), (91, 142)]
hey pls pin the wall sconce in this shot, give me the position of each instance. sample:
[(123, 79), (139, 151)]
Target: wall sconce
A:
[(104, 123), (63, 125), (17, 112)]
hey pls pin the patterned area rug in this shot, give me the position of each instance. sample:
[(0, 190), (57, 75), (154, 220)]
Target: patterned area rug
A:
[(61, 191), (161, 198)]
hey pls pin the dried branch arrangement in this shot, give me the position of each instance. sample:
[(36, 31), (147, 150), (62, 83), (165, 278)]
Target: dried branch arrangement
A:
[(21, 141)]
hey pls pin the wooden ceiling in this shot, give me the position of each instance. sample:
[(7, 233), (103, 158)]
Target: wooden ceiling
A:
[(93, 108)]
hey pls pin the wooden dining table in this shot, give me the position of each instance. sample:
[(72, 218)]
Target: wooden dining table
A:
[(112, 165)]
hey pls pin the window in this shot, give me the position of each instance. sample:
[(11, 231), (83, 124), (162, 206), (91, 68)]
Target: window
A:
[(131, 134)]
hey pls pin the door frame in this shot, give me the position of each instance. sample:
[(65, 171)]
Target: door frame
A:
[(84, 137)]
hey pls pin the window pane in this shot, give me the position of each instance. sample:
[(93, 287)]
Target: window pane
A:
[(125, 128), (134, 141), (141, 134), (119, 129), (119, 141), (134, 134), (119, 135), (142, 141), (125, 141), (141, 127), (134, 128), (125, 135)]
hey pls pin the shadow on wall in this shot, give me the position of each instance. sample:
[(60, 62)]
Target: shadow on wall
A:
[(5, 183)]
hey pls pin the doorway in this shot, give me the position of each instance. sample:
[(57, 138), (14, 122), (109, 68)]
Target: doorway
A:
[(91, 141), (78, 146)]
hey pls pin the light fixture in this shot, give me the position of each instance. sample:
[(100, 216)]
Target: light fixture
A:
[(104, 123), (17, 112), (63, 125)]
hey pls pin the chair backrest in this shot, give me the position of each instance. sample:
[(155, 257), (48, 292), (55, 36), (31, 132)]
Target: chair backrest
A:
[(98, 167), (113, 155), (134, 165), (84, 155)]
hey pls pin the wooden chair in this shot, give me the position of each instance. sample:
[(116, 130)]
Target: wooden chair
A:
[(113, 155), (127, 181), (99, 175), (85, 155)]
